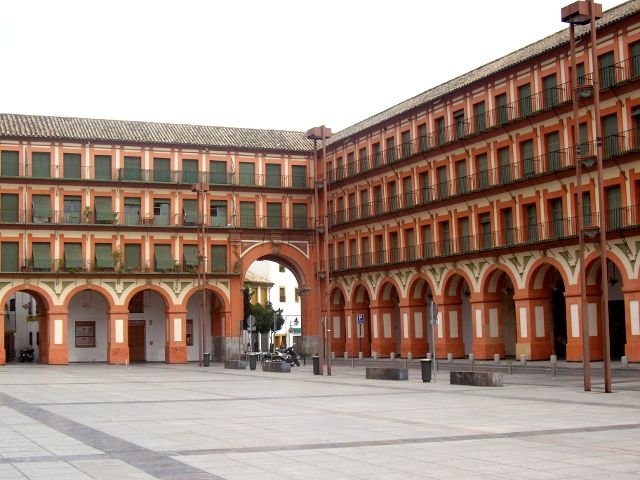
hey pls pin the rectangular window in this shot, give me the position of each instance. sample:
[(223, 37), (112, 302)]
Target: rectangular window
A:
[(190, 257), (364, 203), (610, 135), (440, 130), (132, 211), (480, 116), (485, 230), (190, 171), (85, 334), (607, 70), (353, 213), (427, 241), (72, 167), (353, 251), (393, 196), (366, 251), (587, 219), (9, 252), (339, 169), (41, 164), (501, 109), (341, 256), (391, 150), (283, 294), (102, 166), (634, 55), (351, 164), (132, 256), (341, 213), (190, 212), (41, 254), (552, 147), (532, 223), (73, 256), (379, 250), (299, 176), (407, 189), (104, 256), (219, 258), (524, 99), (580, 74), (395, 247), (377, 157), (41, 208), (248, 214), (162, 259), (557, 221), (425, 189), (422, 134), (458, 120), (132, 169), (104, 210), (247, 174), (410, 240), (614, 207), (218, 216), (406, 144), (364, 164), (584, 139), (9, 164), (72, 209), (300, 215), (273, 176), (528, 161), (464, 235), (445, 238), (162, 212), (507, 223), (482, 167), (550, 85), (161, 170), (218, 172), (377, 199), (462, 179), (443, 186), (9, 212), (505, 165)]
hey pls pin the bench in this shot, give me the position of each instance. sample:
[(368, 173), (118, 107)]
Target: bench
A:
[(387, 373), (235, 364), (476, 379), (280, 367)]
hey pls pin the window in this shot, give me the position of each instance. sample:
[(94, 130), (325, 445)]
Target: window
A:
[(190, 171), (132, 256), (9, 253), (507, 224), (248, 214), (190, 212), (218, 172), (72, 209), (464, 235), (353, 251), (406, 144), (395, 250), (296, 295), (532, 222), (634, 55), (501, 109), (341, 256), (364, 203), (485, 230), (351, 163), (341, 210), (524, 99), (607, 70), (427, 241), (247, 174), (458, 120), (552, 147), (72, 167), (41, 209), (440, 130), (300, 215), (273, 175), (364, 164), (41, 255), (407, 188), (9, 164), (219, 258), (393, 196), (73, 256), (584, 139), (422, 134), (132, 171), (339, 169), (424, 187), (379, 249), (41, 164), (377, 160), (353, 214), (587, 219), (366, 251), (377, 199), (480, 116), (461, 170), (582, 79), (482, 168), (505, 165), (85, 334), (162, 259), (162, 211), (161, 170), (610, 134), (550, 85), (614, 208), (391, 150), (299, 176), (190, 257), (132, 211), (218, 213), (528, 161), (103, 210), (410, 240), (445, 238), (557, 221), (9, 212), (104, 256), (443, 187), (102, 166)]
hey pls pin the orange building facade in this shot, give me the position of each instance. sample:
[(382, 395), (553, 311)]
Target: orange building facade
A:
[(463, 196)]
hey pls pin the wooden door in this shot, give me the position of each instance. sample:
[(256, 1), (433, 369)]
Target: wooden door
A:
[(136, 341)]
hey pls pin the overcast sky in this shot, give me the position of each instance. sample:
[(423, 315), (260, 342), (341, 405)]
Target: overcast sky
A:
[(239, 63)]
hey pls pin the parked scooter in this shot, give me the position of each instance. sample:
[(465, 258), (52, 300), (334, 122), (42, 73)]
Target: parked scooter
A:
[(289, 355), (26, 353)]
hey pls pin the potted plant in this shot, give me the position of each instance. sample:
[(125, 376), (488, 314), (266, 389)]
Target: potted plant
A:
[(87, 214)]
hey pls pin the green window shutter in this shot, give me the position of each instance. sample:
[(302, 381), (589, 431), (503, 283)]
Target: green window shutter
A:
[(443, 187), (407, 189), (464, 244), (550, 85), (300, 215), (132, 256), (218, 213), (556, 217), (607, 70), (219, 258), (162, 258), (610, 134), (274, 175), (441, 131), (552, 144), (614, 207), (9, 207), (73, 256), (483, 171), (532, 223), (104, 255), (299, 176), (584, 139), (41, 164), (189, 171), (422, 135), (528, 162), (161, 170), (102, 166), (190, 212), (41, 256), (9, 166), (72, 167), (41, 208), (218, 172), (248, 214), (131, 211), (247, 174), (580, 73), (9, 254), (524, 99), (274, 215), (480, 116), (190, 256), (634, 54), (505, 165), (501, 110), (132, 169), (507, 217), (104, 212), (462, 176)]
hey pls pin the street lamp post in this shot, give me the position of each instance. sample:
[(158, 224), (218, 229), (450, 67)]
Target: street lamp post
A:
[(201, 189)]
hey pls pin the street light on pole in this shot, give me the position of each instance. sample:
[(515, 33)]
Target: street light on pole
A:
[(201, 189)]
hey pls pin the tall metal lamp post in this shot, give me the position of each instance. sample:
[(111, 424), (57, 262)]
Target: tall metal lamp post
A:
[(201, 188), (585, 12)]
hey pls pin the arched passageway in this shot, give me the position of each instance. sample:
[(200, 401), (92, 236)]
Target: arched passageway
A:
[(23, 314), (88, 327), (147, 327), (336, 327), (359, 327), (456, 320), (386, 321)]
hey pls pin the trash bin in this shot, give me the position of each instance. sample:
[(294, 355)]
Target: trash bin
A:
[(253, 360), (425, 366), (206, 358), (316, 364)]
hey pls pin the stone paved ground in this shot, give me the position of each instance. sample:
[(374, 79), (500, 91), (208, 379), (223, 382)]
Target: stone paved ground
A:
[(185, 422)]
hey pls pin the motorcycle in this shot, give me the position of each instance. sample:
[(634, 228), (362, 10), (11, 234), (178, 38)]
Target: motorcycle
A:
[(288, 355), (26, 353)]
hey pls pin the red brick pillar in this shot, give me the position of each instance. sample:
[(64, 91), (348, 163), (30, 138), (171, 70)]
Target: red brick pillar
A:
[(413, 330), (448, 331), (55, 336), (632, 322), (176, 346), (382, 340), (575, 317), (533, 325), (3, 352), (118, 336), (486, 321)]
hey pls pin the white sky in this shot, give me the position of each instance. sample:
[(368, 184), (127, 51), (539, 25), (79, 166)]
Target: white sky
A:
[(275, 64)]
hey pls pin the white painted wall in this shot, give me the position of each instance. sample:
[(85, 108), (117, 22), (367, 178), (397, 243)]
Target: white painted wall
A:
[(16, 321), (88, 306), (193, 313)]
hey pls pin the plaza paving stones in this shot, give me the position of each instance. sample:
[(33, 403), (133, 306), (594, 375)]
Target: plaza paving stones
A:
[(185, 422)]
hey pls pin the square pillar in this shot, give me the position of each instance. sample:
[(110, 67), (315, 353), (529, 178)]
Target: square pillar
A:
[(176, 346), (118, 337), (448, 331), (55, 337)]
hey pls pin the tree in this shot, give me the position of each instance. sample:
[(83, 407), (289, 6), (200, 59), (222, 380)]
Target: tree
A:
[(263, 313)]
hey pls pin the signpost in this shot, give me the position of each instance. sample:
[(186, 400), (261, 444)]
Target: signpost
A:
[(360, 318), (251, 326), (433, 321)]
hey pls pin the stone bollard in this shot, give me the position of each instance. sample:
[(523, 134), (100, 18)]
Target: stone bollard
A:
[(346, 355), (523, 359), (374, 355), (496, 358), (624, 361), (553, 359), (450, 357), (360, 355), (409, 356), (471, 358), (428, 357), (333, 355), (392, 355)]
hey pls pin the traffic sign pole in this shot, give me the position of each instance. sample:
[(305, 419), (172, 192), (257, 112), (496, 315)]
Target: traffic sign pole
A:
[(433, 316)]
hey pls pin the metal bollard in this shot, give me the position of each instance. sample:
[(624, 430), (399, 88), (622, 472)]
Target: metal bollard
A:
[(624, 361), (353, 363), (392, 355), (409, 356), (510, 368), (554, 365), (496, 358), (333, 355), (450, 357), (523, 359), (428, 356), (360, 355), (346, 355)]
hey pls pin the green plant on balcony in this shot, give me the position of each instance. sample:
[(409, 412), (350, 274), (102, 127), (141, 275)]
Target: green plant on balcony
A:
[(87, 214)]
